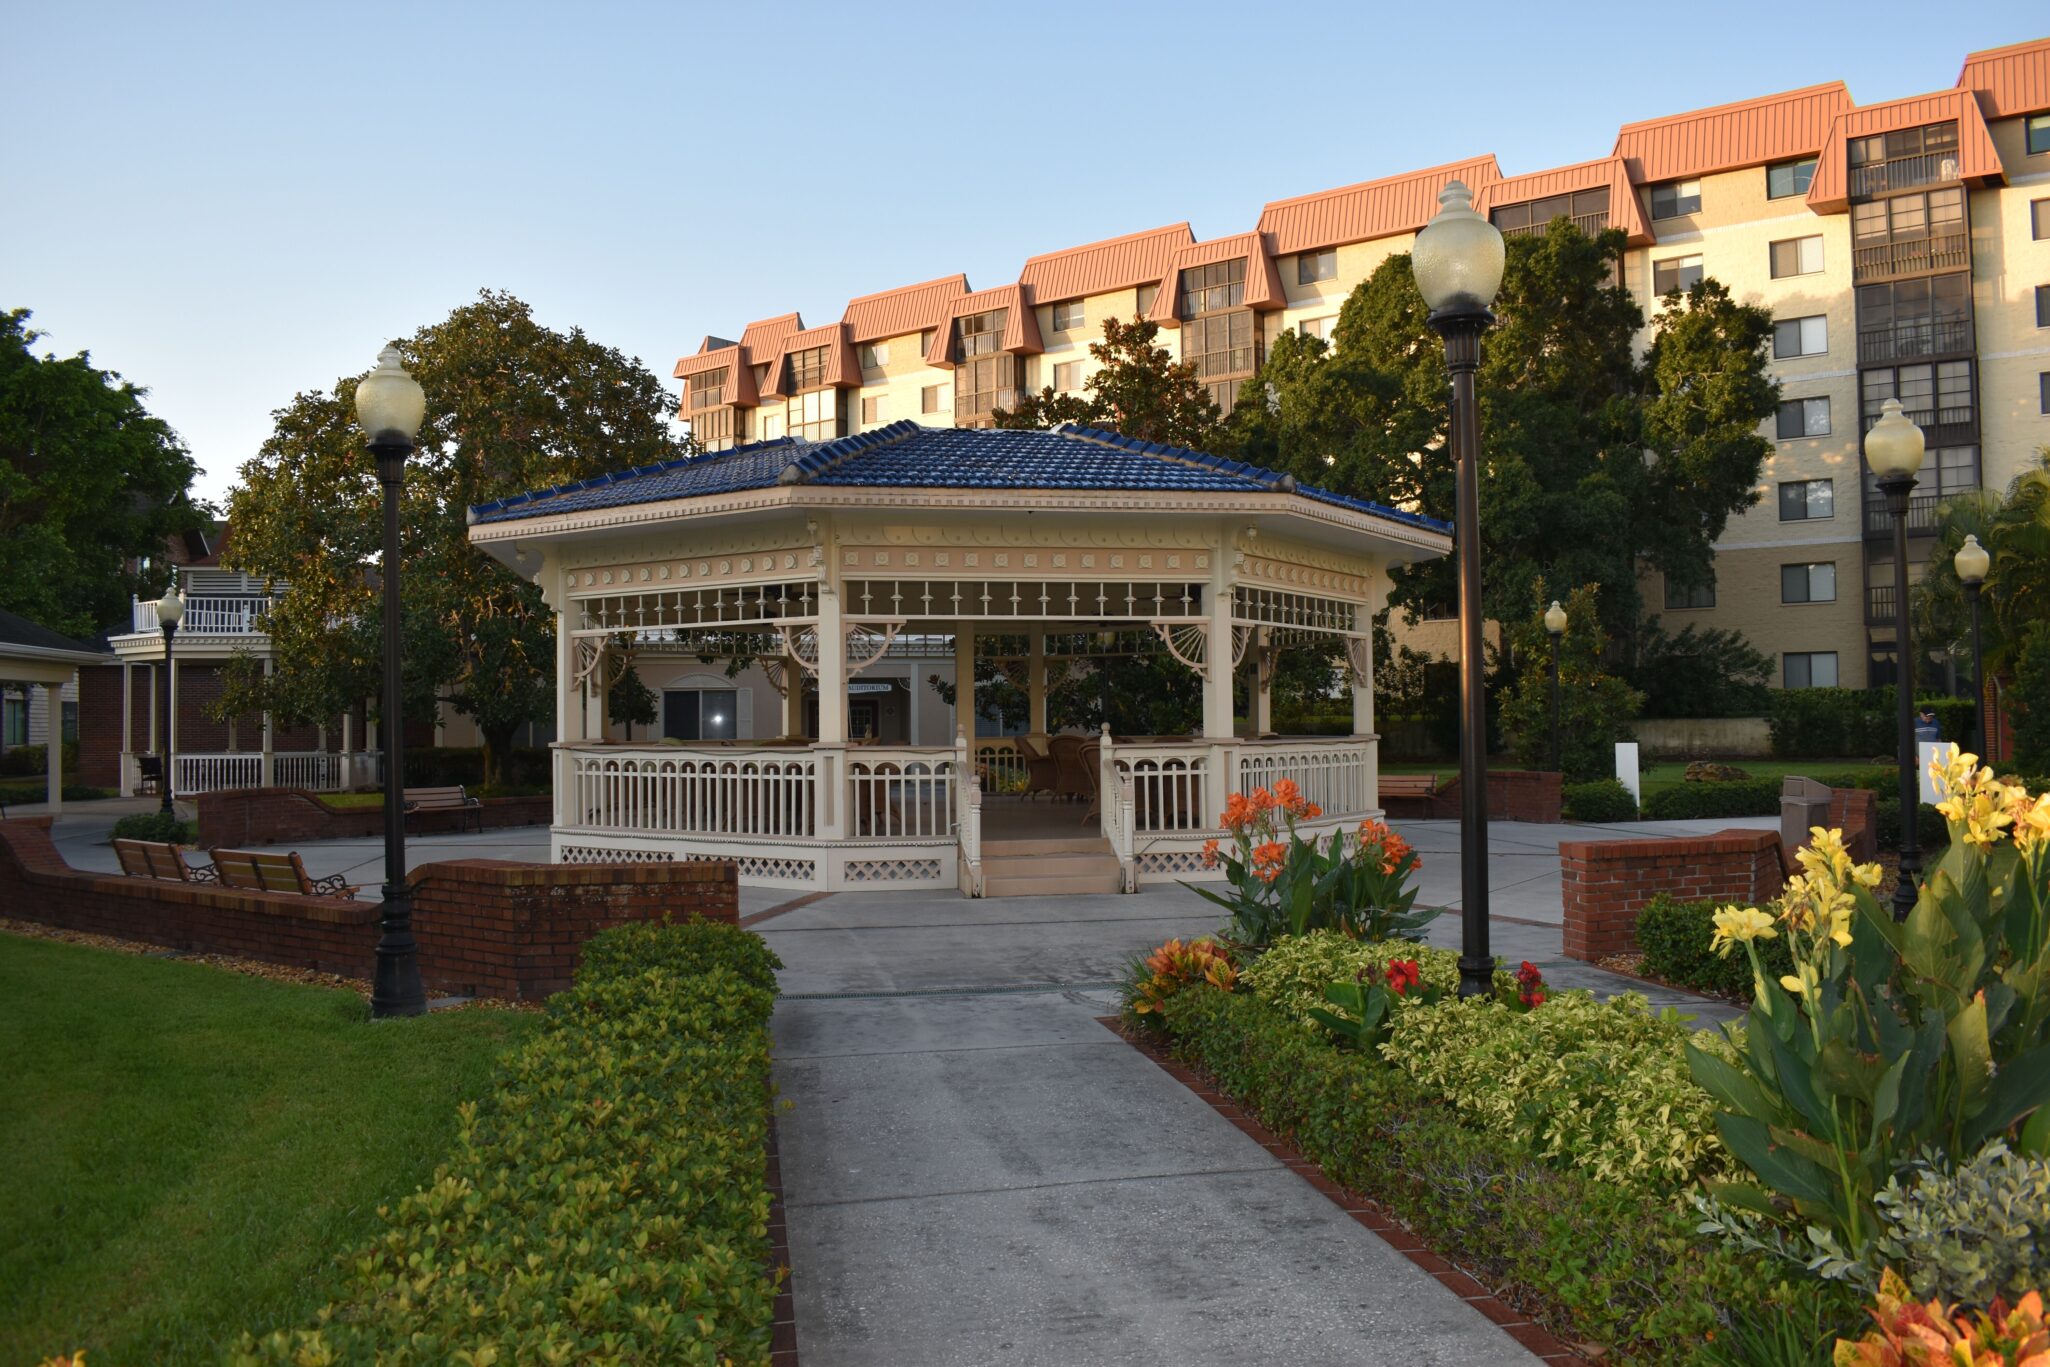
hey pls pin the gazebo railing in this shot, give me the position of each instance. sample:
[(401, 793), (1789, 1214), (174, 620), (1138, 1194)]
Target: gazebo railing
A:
[(759, 793), (1000, 764), (1336, 774), (1167, 784), (901, 794)]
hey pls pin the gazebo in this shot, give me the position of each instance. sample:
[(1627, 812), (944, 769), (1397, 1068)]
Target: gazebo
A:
[(1043, 549)]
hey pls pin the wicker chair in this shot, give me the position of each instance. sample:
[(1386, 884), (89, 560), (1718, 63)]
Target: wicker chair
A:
[(1092, 778), (1067, 758), (1042, 775)]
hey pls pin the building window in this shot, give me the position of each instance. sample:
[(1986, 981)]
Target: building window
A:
[(2043, 306), (1587, 210), (1311, 267), (1789, 178), (1067, 376), (1679, 599), (1675, 198), (980, 334), (2039, 219), (1808, 583), (1810, 669), (708, 388), (713, 427), (1929, 315), (1317, 327), (1946, 472), (70, 720), (1937, 395), (700, 714), (1213, 288), (875, 355), (1797, 256), (761, 376), (871, 410), (1147, 294), (1909, 235), (930, 399), (14, 724), (1800, 337), (1805, 500), (2039, 134), (1675, 273), (2043, 392), (983, 385), (814, 415), (807, 369), (1903, 159), (1800, 418), (1069, 316)]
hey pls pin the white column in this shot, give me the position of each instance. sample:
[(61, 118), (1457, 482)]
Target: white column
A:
[(154, 747), (171, 691), (793, 699), (126, 786), (1363, 675), (1223, 759), (964, 680), (53, 746), (832, 671), (269, 775), (568, 724), (1260, 696), (1035, 681)]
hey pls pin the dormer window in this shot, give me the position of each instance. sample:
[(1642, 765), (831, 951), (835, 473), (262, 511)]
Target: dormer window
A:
[(1587, 210), (807, 369), (1219, 335), (708, 389), (985, 376)]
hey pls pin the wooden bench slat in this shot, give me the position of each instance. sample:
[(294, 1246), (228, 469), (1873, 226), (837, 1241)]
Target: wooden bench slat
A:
[(269, 871)]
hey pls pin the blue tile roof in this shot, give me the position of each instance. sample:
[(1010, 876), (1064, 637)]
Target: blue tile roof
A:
[(906, 455)]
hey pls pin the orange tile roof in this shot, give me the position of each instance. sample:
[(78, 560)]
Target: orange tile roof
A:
[(1371, 209), (1021, 328), (1116, 263), (2009, 80), (843, 371), (1263, 282), (904, 310), (761, 337), (1978, 161), (1626, 211), (740, 384), (1727, 137)]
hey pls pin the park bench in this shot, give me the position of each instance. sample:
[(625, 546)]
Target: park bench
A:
[(452, 799), (1408, 785), (158, 859), (264, 871)]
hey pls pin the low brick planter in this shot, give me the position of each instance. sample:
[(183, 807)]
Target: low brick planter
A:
[(1604, 883), (1513, 795), (283, 816), (486, 927)]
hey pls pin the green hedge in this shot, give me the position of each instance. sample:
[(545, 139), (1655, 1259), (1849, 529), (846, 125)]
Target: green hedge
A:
[(607, 1202), (1699, 801), (1604, 799), (443, 766), (1816, 723), (1932, 832), (33, 761), (1674, 938), (13, 793), (156, 825), (1597, 1261)]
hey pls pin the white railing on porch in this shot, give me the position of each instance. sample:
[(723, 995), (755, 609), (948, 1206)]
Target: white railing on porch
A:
[(1336, 774), (1167, 785), (1000, 764), (194, 773), (1115, 805), (760, 793), (209, 616), (898, 793)]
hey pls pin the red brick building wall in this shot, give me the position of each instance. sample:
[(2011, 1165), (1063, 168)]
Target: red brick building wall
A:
[(99, 720), (1604, 883), (486, 927)]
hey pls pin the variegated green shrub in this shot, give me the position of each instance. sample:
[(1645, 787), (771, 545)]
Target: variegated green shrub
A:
[(1295, 970)]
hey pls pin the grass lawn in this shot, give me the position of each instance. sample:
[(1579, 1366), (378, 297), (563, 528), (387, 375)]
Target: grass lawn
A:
[(184, 1151), (353, 799), (1668, 773)]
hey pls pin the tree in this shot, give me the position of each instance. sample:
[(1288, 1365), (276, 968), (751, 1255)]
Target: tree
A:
[(2014, 527), (631, 702), (1138, 390), (1595, 707), (1597, 464), (1712, 673), (90, 482), (511, 405)]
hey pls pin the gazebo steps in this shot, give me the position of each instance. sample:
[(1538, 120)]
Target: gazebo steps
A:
[(1049, 867)]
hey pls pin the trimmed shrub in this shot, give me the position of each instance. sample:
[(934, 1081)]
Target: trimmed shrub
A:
[(1674, 937), (1972, 1233), (1602, 800), (15, 793), (1816, 723), (1293, 973), (1702, 801), (156, 826), (443, 766), (33, 761), (1932, 832), (608, 1200)]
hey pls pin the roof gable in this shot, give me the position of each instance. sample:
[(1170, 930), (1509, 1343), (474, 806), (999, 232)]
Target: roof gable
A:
[(1375, 208), (1728, 137), (1116, 263), (2009, 81)]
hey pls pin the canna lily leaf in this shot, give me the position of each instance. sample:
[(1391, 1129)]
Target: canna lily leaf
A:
[(1971, 1053), (1732, 1086), (1796, 1083), (1843, 1071), (1786, 1173), (1743, 1196), (2023, 1086)]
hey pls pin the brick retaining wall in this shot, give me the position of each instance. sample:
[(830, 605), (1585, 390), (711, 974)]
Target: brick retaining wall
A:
[(1604, 883), (281, 816), (488, 927), (1513, 795)]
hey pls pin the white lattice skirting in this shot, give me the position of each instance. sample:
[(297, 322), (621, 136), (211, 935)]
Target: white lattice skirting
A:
[(893, 870), (598, 854)]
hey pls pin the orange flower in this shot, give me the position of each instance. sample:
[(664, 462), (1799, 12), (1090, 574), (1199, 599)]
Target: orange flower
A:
[(1289, 797), (1262, 799), (1268, 860), (1210, 854), (1238, 813), (1312, 811)]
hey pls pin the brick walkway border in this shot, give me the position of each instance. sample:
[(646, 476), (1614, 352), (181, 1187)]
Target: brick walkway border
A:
[(783, 1339), (1540, 1341)]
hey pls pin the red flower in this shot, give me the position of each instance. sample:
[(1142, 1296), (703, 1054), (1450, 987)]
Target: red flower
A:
[(1403, 974)]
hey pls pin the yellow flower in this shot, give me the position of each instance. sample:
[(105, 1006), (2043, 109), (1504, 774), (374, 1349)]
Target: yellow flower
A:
[(1802, 982), (2031, 818), (1797, 903), (1735, 925)]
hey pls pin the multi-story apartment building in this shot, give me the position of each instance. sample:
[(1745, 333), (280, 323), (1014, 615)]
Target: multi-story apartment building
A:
[(1903, 249)]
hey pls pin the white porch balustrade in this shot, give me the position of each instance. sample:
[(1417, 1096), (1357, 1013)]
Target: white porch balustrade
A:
[(762, 793), (199, 772), (209, 616)]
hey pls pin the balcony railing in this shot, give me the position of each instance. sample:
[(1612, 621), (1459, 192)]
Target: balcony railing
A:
[(1879, 605), (209, 616), (1589, 224), (1910, 339), (1923, 515), (1909, 256), (1952, 425), (1904, 173)]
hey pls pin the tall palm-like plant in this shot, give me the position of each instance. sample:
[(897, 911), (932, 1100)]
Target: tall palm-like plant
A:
[(2015, 528)]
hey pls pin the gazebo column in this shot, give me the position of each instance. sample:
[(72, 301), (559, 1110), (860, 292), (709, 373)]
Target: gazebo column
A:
[(793, 700), (1217, 682), (1035, 682), (568, 719), (1260, 689), (268, 774), (127, 784), (964, 680), (832, 746), (53, 747), (1359, 652)]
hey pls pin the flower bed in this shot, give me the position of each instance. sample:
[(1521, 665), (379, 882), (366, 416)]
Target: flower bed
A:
[(608, 1200)]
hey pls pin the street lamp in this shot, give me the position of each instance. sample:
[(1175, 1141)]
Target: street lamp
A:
[(1458, 260), (1972, 563), (1555, 626), (170, 612), (1893, 450), (389, 409)]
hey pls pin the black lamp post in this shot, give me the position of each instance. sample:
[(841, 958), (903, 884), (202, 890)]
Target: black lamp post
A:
[(1458, 260), (389, 408), (170, 612), (1555, 627), (1893, 449), (1972, 563)]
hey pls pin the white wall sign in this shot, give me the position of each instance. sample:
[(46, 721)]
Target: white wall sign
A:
[(1626, 770)]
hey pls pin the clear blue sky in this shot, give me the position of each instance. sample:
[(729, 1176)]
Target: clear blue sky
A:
[(232, 204)]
